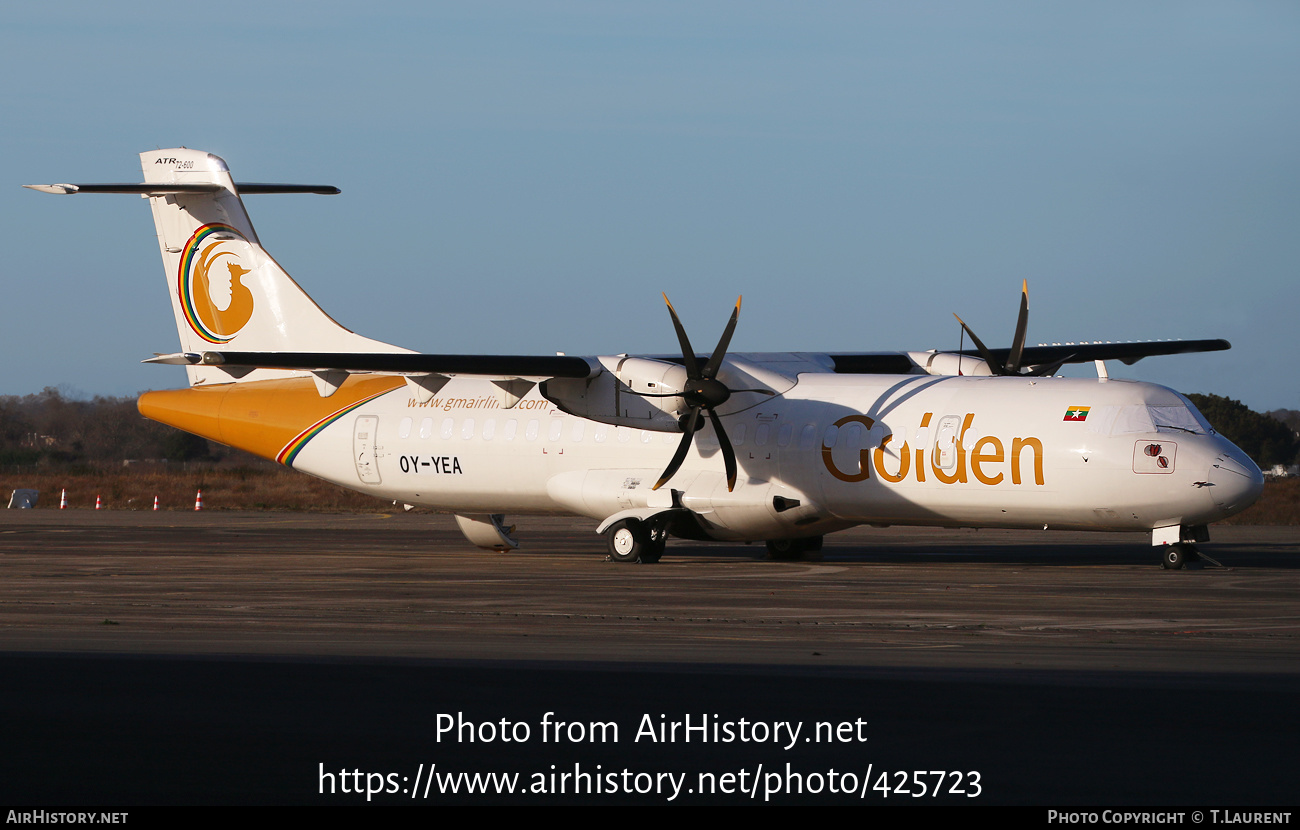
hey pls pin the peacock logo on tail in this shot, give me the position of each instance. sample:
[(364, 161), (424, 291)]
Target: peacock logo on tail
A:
[(217, 304)]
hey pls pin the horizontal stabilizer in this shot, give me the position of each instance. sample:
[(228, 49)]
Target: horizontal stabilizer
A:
[(160, 189), (176, 359)]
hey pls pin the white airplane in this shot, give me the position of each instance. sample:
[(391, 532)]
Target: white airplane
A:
[(782, 447)]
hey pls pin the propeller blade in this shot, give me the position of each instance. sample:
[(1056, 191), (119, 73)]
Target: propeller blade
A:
[(703, 392), (692, 424), (994, 367), (728, 454), (688, 354), (1022, 323), (720, 352), (1049, 368)]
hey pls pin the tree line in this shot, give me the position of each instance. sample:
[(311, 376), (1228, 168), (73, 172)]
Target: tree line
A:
[(1268, 439), (51, 428)]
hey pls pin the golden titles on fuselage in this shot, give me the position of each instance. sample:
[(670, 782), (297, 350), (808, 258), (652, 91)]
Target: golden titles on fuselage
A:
[(987, 451)]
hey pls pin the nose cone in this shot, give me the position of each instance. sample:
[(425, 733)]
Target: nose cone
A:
[(1236, 481)]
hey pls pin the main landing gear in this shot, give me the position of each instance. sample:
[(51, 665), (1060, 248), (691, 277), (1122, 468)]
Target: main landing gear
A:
[(787, 549), (632, 540)]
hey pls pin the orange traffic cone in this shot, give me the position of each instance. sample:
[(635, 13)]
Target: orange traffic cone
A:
[(63, 501), (98, 504), (155, 502), (198, 501)]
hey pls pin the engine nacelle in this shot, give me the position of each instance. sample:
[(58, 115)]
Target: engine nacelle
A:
[(640, 375), (615, 395), (618, 394), (950, 363)]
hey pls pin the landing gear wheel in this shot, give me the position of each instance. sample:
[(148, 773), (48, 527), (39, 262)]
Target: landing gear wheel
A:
[(786, 549), (634, 541), (626, 540), (1176, 557)]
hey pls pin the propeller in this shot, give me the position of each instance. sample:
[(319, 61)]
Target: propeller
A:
[(1012, 365), (703, 393)]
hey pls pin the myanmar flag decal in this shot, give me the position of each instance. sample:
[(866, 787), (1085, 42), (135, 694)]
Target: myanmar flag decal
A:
[(1077, 413)]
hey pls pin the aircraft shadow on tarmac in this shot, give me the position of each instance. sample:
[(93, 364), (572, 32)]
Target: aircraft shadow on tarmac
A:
[(1046, 554)]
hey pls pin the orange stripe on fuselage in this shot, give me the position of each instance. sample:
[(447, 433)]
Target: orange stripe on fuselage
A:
[(261, 417)]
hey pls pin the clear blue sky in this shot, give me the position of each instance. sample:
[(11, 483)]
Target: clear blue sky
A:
[(528, 177)]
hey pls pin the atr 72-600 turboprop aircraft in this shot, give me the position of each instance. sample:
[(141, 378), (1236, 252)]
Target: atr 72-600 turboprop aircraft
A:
[(781, 447)]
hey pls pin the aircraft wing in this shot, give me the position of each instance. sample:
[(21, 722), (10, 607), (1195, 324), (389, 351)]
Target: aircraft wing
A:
[(1128, 353), (566, 366), (502, 366)]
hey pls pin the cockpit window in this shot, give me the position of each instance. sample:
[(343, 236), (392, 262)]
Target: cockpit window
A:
[(1119, 420), (1206, 427), (1179, 419)]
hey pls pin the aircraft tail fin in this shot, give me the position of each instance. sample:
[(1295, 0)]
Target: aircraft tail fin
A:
[(226, 291)]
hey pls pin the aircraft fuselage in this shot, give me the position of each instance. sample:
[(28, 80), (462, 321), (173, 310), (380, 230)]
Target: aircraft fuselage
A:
[(831, 452)]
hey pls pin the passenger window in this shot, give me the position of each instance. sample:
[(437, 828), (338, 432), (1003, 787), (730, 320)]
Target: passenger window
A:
[(851, 436), (876, 434), (577, 430), (784, 434), (448, 426), (511, 427), (489, 429), (531, 432), (922, 436), (557, 426), (404, 428), (467, 430), (808, 437), (426, 428)]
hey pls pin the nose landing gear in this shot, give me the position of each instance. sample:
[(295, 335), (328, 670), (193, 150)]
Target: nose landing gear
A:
[(1176, 557), (1177, 545)]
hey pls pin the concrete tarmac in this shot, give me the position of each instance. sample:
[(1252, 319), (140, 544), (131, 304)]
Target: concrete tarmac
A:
[(246, 658)]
